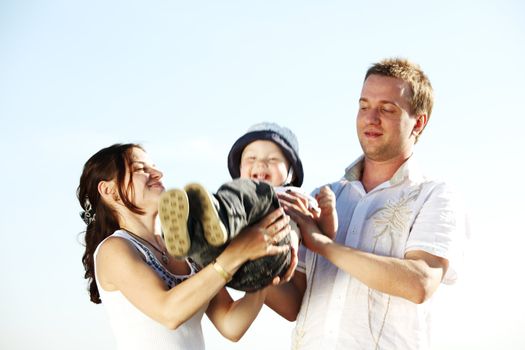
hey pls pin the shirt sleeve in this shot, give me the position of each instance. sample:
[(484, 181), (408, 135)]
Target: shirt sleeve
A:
[(441, 229)]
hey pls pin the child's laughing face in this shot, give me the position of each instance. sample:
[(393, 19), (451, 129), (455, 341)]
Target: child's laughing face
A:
[(264, 161)]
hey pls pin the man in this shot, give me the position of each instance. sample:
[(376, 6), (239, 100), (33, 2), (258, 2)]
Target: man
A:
[(399, 232)]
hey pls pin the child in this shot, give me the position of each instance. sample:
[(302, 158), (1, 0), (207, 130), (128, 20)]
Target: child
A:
[(262, 162), (269, 152)]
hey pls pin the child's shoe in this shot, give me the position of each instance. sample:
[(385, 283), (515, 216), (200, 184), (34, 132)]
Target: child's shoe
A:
[(174, 212), (203, 207)]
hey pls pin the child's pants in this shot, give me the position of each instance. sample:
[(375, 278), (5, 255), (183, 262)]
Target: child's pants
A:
[(241, 203)]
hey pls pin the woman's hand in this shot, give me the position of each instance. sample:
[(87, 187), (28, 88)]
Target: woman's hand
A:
[(294, 259), (311, 234), (294, 247), (325, 216), (261, 239), (298, 201)]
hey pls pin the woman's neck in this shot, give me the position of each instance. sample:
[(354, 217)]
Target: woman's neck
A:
[(145, 226)]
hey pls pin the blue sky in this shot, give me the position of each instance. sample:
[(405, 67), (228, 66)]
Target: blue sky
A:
[(185, 79)]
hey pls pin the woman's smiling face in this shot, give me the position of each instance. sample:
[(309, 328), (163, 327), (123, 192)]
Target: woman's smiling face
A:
[(146, 180)]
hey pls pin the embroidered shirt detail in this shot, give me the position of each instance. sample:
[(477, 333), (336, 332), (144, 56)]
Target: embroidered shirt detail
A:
[(393, 219)]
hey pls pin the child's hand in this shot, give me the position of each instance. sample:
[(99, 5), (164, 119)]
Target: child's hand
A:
[(326, 200), (327, 218)]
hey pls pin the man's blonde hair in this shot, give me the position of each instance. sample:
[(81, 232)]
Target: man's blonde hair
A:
[(422, 93)]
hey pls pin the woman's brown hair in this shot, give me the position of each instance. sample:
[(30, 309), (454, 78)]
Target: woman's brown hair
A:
[(110, 163)]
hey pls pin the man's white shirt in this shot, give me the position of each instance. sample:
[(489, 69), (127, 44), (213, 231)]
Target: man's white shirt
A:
[(408, 212)]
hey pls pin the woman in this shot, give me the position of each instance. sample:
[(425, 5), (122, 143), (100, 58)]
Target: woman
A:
[(155, 301)]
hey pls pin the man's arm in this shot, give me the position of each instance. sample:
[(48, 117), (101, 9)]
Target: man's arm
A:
[(414, 277)]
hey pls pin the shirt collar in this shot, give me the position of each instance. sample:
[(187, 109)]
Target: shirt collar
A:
[(408, 170), (354, 171)]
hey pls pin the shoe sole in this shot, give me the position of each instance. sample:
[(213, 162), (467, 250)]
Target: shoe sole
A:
[(215, 232), (174, 212)]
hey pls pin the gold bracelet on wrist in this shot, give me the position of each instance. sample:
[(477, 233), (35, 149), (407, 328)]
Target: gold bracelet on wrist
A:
[(221, 271)]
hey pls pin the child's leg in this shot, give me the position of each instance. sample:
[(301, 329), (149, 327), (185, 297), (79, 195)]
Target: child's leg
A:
[(191, 224), (216, 219), (244, 202), (201, 251), (211, 221)]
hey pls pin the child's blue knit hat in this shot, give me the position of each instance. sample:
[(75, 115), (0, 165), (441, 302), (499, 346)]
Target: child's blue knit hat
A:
[(282, 136)]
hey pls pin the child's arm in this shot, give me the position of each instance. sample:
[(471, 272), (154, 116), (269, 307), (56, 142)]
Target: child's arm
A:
[(327, 218)]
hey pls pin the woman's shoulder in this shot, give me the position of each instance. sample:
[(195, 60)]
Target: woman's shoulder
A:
[(115, 259), (117, 243)]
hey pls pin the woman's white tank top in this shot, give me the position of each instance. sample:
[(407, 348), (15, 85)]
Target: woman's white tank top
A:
[(132, 328)]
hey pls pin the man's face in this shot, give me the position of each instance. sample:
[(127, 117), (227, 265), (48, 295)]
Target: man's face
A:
[(385, 126)]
